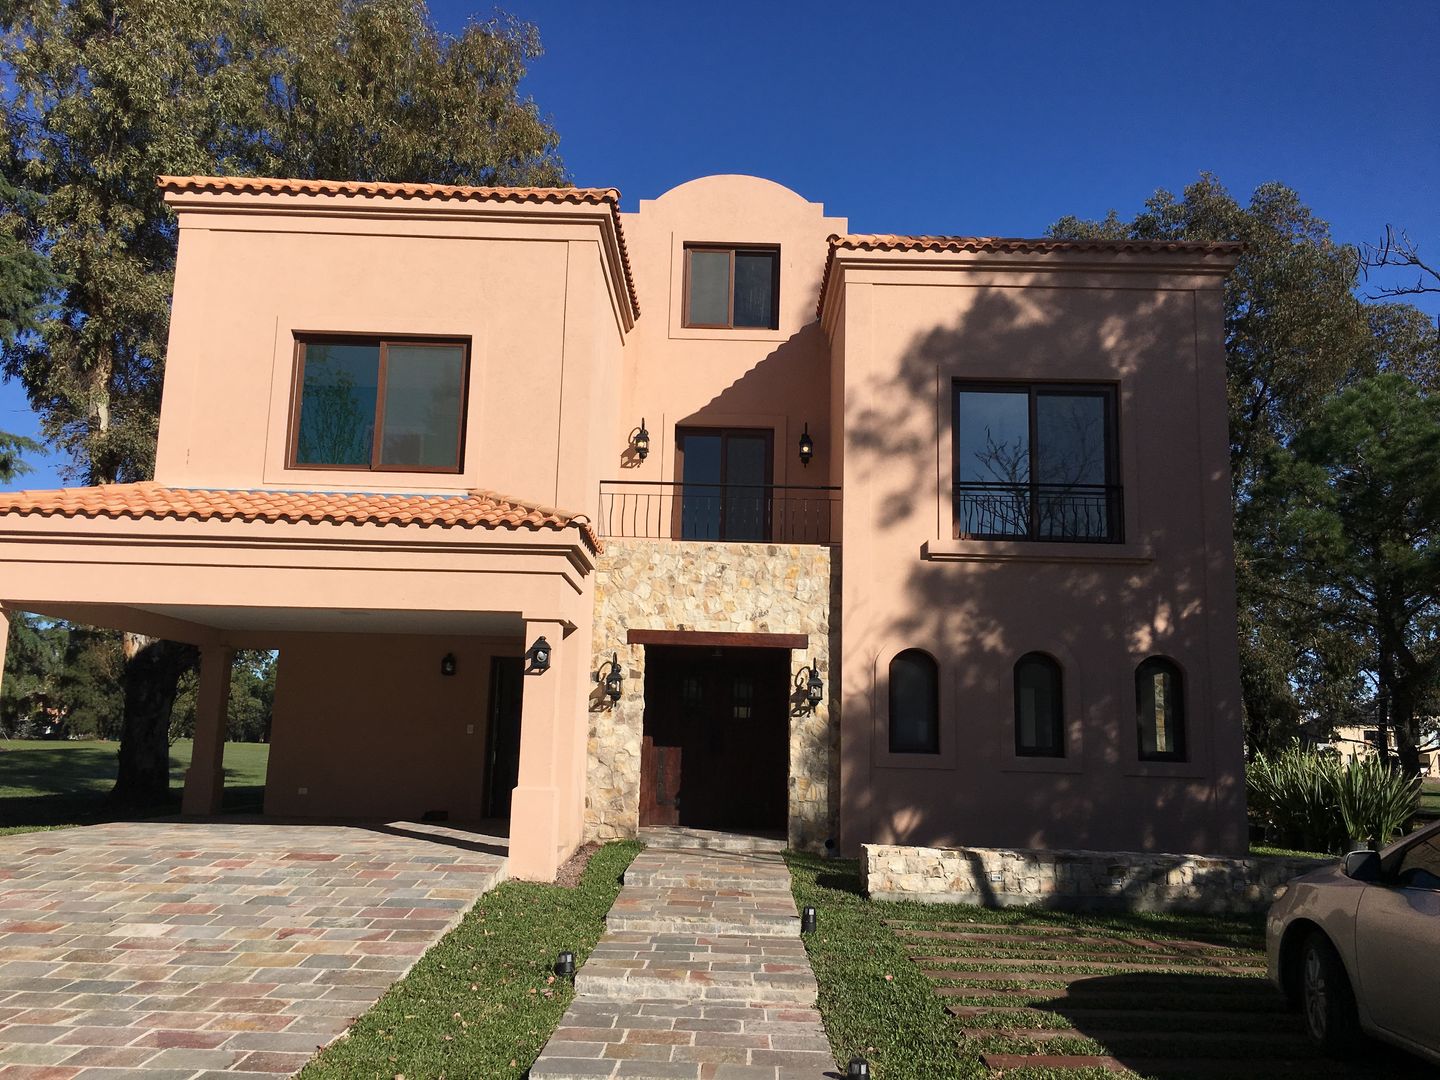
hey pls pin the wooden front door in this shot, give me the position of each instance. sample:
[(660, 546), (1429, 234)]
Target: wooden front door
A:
[(715, 752)]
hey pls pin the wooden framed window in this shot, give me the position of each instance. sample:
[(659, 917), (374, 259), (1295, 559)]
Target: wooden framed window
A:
[(1160, 710), (1037, 462), (732, 287), (378, 404), (914, 703), (1039, 707)]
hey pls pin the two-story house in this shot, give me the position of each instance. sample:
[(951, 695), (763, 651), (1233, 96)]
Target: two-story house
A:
[(857, 538)]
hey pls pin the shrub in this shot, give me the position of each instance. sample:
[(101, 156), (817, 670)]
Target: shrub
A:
[(1313, 801), (1376, 801)]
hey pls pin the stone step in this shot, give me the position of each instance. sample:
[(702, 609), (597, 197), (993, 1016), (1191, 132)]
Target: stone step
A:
[(695, 967), (680, 838), (709, 870), (779, 926), (704, 911)]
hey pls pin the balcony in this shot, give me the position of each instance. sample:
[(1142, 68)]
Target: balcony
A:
[(754, 513), (1062, 513)]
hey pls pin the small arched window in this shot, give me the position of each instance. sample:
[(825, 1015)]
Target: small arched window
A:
[(1160, 710), (914, 703), (1039, 707)]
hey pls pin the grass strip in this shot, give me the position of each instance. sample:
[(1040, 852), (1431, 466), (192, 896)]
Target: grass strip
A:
[(483, 1001), (873, 1000)]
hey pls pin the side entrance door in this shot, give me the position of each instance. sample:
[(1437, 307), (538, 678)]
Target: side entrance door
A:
[(502, 748)]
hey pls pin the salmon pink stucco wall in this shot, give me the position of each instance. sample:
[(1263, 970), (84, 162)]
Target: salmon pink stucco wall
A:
[(905, 328), (368, 726), (529, 293), (776, 379)]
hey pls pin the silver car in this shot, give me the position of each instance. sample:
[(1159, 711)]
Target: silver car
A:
[(1357, 946)]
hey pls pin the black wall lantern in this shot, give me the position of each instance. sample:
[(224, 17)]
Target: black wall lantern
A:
[(447, 665), (540, 655), (807, 445), (612, 679), (814, 688), (642, 441)]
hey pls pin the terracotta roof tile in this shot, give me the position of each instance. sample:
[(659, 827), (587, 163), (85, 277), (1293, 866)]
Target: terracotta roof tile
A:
[(270, 185), (1012, 245), (475, 509)]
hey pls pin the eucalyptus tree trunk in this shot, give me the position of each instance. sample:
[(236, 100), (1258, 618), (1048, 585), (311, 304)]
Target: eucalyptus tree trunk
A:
[(153, 668)]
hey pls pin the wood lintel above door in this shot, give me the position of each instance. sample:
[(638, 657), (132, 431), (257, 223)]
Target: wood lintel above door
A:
[(717, 639)]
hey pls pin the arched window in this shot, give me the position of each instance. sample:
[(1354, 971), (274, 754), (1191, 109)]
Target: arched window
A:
[(914, 703), (1160, 710), (1039, 708)]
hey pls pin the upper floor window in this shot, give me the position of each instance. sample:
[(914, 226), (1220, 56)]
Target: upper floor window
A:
[(1160, 710), (1039, 708), (384, 404), (1036, 462), (732, 287), (914, 703)]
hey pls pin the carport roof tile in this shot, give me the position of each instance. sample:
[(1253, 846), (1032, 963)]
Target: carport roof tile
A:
[(473, 509)]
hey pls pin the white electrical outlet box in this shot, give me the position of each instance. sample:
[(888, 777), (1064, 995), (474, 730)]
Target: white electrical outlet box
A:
[(304, 791)]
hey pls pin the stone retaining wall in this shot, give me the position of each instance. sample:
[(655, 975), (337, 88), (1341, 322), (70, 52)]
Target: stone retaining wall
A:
[(733, 588), (1077, 880)]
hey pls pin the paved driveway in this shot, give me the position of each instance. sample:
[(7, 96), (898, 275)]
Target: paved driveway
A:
[(220, 948)]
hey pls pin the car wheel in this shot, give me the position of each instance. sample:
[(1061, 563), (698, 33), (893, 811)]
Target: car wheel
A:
[(1327, 999)]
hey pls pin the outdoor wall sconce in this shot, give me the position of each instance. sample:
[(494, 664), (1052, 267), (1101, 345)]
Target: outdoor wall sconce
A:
[(613, 679), (807, 921), (447, 665), (565, 965), (814, 689), (642, 441), (858, 1067), (540, 655), (807, 445)]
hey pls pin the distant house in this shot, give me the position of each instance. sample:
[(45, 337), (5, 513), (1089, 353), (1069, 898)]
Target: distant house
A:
[(714, 513), (1361, 740)]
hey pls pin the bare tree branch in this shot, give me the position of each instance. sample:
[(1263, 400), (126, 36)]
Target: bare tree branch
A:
[(1397, 250)]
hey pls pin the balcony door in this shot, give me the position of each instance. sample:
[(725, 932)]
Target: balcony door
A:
[(725, 483)]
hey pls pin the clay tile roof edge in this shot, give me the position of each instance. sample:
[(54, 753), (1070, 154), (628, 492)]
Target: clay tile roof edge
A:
[(273, 185), (1010, 245), (148, 499)]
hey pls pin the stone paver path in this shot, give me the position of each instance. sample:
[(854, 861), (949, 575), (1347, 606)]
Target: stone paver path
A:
[(701, 973), (214, 949)]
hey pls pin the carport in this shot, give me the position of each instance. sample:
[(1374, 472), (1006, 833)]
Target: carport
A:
[(389, 613)]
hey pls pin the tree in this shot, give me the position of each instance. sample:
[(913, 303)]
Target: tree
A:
[(33, 663), (1352, 536), (252, 695), (1397, 251), (101, 96)]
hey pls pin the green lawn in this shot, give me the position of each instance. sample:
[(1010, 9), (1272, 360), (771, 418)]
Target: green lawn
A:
[(876, 1002), (57, 784), (483, 1001), (1430, 796)]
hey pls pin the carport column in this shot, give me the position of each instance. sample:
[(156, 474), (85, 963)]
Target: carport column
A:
[(536, 804), (4, 641), (205, 779)]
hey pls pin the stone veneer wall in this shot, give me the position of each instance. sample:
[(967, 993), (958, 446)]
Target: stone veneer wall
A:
[(1077, 880), (733, 588)]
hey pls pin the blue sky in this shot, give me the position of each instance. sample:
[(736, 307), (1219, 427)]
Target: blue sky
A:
[(992, 118)]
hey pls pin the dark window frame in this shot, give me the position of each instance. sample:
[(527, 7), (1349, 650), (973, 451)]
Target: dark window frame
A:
[(724, 433), (934, 672), (1109, 392), (1058, 720), (382, 341), (732, 250), (1182, 751)]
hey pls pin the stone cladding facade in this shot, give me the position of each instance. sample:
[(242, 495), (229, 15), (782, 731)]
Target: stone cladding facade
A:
[(724, 587), (1077, 880)]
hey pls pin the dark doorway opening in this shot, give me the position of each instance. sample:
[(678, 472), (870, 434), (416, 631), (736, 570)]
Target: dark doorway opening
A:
[(502, 748), (715, 752)]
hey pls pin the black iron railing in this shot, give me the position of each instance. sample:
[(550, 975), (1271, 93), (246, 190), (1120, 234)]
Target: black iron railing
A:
[(778, 513), (1072, 513)]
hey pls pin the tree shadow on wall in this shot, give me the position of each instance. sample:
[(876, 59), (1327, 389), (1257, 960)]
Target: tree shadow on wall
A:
[(979, 618)]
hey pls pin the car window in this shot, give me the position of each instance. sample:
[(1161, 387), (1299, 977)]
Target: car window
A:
[(1419, 866)]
